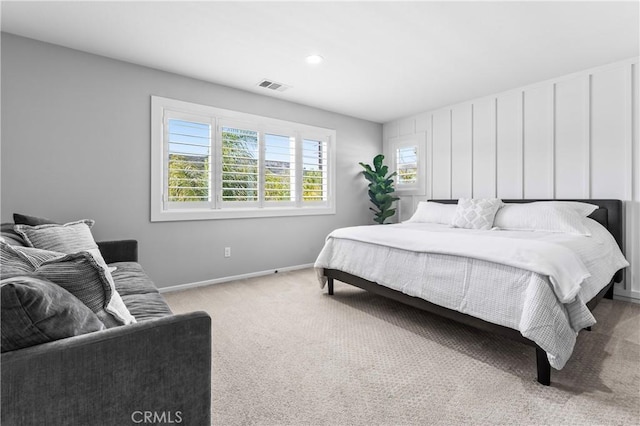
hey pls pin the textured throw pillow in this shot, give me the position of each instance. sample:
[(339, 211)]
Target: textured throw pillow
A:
[(542, 216), (13, 262), (75, 237), (35, 311), (10, 236), (476, 213), (68, 238), (37, 257), (431, 212)]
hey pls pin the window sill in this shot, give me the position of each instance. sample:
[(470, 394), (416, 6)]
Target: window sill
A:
[(237, 213)]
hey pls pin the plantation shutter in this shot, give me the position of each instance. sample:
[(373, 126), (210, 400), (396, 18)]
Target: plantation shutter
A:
[(279, 169), (240, 166), (188, 161), (315, 171)]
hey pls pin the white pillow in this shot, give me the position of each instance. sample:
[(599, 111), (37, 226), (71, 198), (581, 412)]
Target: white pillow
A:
[(583, 209), (72, 238), (431, 212), (546, 216), (476, 213)]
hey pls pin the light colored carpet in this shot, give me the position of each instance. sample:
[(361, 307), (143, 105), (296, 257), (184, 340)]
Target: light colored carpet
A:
[(286, 353)]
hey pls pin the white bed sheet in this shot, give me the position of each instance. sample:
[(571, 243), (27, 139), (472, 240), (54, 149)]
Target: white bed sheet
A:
[(510, 296)]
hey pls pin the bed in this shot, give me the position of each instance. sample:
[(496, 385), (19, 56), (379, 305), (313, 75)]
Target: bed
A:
[(542, 303)]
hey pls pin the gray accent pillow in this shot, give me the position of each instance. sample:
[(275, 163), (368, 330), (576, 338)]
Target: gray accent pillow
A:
[(35, 311)]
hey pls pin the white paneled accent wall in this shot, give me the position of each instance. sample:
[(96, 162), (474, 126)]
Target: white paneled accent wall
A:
[(574, 136)]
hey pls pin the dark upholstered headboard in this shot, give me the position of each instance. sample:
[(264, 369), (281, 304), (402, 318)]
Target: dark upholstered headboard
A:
[(608, 215)]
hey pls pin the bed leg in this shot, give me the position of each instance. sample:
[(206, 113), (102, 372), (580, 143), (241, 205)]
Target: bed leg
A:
[(330, 286), (609, 293), (544, 369)]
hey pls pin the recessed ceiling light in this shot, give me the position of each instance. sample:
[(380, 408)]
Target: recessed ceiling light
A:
[(314, 59)]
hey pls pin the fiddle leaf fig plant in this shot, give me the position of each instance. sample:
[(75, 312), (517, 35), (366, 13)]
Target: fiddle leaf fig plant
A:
[(380, 189)]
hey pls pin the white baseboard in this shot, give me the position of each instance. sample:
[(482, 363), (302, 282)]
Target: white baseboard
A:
[(186, 286), (627, 295)]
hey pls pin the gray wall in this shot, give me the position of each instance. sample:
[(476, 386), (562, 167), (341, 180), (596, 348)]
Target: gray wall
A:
[(76, 144)]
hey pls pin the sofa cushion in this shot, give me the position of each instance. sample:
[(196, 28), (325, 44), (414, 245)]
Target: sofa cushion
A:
[(147, 306), (138, 292), (36, 311), (70, 238), (130, 278)]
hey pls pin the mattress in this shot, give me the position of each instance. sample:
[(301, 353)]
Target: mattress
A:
[(494, 291)]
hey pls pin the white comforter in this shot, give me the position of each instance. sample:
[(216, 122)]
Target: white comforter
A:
[(534, 282)]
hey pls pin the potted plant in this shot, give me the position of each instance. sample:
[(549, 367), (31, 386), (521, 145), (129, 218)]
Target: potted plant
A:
[(380, 189)]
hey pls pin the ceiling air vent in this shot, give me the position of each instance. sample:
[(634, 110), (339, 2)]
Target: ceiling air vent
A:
[(270, 84)]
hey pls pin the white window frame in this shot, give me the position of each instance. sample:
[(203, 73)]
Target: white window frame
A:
[(419, 142), (161, 210)]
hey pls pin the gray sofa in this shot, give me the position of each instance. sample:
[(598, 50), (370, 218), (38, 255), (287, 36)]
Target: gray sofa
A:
[(156, 371)]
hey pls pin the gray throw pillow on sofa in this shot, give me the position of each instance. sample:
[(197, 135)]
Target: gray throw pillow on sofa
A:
[(36, 311)]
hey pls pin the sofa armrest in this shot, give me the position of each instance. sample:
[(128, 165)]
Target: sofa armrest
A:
[(119, 251), (114, 376)]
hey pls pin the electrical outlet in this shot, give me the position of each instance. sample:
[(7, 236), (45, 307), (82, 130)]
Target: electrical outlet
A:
[(227, 252)]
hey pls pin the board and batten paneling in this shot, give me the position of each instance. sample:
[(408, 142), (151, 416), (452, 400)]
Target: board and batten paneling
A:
[(575, 136), (441, 152), (538, 142), (608, 134), (484, 148), (461, 151), (509, 145), (572, 138)]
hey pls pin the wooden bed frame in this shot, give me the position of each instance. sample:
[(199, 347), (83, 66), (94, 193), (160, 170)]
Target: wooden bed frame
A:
[(609, 214)]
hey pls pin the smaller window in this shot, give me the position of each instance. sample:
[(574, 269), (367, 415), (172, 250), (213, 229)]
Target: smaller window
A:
[(407, 156), (407, 165)]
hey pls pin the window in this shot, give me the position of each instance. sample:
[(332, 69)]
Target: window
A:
[(407, 165), (210, 163), (407, 160)]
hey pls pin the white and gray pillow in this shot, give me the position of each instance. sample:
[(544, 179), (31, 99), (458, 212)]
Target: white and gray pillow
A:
[(476, 213)]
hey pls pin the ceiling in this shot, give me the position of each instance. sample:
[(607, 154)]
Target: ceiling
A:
[(383, 60)]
